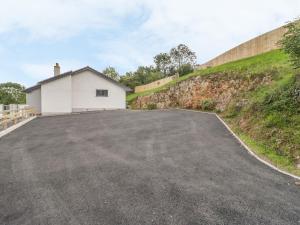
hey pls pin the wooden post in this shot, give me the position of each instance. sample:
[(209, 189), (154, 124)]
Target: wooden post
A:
[(14, 116)]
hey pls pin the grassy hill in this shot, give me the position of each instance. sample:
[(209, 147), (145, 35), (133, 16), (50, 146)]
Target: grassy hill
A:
[(266, 117)]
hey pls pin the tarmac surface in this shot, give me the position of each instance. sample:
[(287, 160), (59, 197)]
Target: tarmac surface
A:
[(138, 168)]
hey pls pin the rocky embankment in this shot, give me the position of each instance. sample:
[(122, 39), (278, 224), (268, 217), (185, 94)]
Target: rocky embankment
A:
[(212, 92)]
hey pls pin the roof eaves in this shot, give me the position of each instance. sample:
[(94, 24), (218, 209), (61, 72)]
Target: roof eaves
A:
[(30, 89), (56, 77), (127, 89)]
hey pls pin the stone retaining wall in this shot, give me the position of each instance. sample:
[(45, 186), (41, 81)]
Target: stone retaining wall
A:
[(216, 89)]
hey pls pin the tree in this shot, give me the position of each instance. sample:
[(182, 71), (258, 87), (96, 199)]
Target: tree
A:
[(129, 80), (147, 74), (111, 72), (291, 42), (181, 59), (181, 55), (163, 63), (143, 75), (12, 93)]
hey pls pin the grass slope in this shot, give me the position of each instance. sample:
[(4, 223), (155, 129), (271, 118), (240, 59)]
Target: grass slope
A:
[(253, 65), (270, 121)]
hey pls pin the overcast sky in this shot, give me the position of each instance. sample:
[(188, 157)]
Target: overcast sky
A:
[(35, 34)]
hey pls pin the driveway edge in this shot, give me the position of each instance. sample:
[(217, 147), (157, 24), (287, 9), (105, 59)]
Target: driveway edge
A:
[(16, 126), (251, 152)]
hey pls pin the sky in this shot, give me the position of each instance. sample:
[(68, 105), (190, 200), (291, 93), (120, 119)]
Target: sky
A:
[(36, 34)]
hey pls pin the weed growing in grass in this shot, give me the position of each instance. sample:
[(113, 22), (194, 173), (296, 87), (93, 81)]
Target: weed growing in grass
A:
[(151, 106), (207, 104)]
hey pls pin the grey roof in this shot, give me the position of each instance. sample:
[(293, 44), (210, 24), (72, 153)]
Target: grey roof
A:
[(32, 88), (56, 77), (71, 73)]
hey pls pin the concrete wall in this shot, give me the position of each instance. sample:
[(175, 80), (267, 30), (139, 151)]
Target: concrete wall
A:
[(84, 86), (33, 99), (155, 84), (56, 96), (258, 45)]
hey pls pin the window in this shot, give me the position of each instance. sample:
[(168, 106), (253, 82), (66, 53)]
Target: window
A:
[(101, 93)]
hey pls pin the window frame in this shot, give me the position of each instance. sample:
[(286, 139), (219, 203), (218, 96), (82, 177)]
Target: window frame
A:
[(101, 93)]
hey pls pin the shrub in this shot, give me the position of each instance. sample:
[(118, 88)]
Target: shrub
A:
[(151, 106), (284, 99), (185, 69), (291, 42), (276, 120), (207, 104), (233, 110)]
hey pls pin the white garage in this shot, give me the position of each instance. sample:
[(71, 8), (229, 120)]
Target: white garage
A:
[(85, 89)]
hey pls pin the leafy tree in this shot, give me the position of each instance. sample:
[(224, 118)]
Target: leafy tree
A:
[(155, 75), (291, 42), (143, 75), (147, 74), (181, 55), (12, 93), (163, 63), (181, 59), (129, 80), (111, 72)]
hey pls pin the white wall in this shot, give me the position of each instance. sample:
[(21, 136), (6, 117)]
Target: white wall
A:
[(33, 99), (84, 98), (57, 96)]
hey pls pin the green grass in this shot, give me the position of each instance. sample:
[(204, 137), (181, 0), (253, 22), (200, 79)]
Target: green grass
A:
[(273, 60), (271, 118), (269, 155), (285, 78)]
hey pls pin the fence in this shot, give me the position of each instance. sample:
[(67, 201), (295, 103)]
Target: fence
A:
[(155, 84), (10, 117), (12, 107)]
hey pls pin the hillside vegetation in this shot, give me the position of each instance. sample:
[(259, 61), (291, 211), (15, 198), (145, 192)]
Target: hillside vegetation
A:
[(259, 97)]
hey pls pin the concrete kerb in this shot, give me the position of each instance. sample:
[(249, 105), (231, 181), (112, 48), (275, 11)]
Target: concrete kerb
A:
[(14, 127), (251, 152)]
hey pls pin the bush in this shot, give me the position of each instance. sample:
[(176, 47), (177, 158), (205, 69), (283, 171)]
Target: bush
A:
[(185, 69), (285, 99), (291, 42), (151, 106), (276, 120), (207, 104), (233, 110)]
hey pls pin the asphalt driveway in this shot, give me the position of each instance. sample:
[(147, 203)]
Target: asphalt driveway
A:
[(138, 168)]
